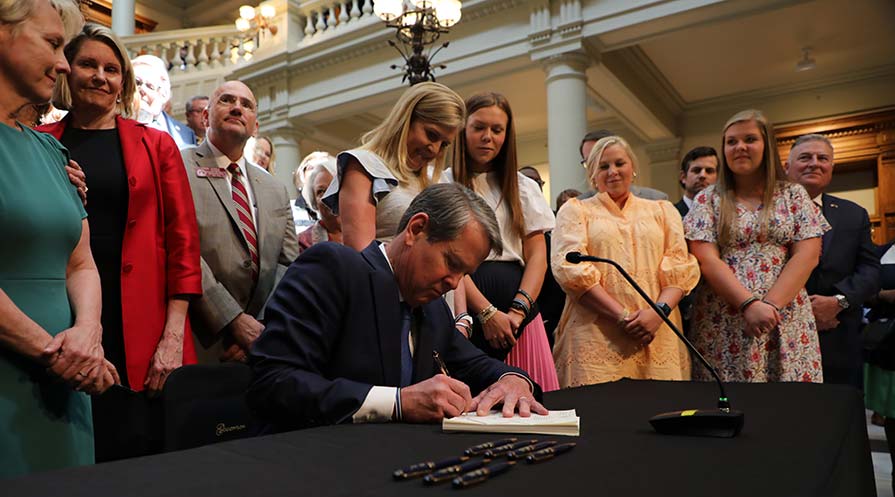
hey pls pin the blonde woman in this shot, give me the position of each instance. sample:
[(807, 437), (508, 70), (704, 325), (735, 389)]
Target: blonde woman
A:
[(757, 238), (607, 331), (264, 155), (376, 182)]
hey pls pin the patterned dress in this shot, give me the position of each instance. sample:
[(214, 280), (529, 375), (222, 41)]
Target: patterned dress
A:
[(646, 238), (791, 352)]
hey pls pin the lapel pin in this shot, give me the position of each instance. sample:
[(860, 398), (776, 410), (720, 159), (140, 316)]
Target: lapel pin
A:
[(211, 172)]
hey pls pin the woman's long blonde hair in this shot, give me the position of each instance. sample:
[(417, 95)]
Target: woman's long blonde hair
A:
[(505, 163), (427, 102), (726, 187)]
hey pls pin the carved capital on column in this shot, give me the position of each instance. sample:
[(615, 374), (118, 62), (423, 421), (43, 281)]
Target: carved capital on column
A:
[(664, 151), (566, 65), (287, 131)]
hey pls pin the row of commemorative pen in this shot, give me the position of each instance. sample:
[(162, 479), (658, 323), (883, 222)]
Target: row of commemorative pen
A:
[(484, 461)]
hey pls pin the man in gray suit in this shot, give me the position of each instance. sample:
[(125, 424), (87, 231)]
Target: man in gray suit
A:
[(245, 228)]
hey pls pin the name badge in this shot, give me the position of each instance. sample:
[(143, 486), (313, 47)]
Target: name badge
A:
[(211, 172)]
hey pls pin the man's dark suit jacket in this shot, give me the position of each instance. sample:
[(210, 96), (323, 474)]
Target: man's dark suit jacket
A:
[(333, 331), (682, 207), (848, 266)]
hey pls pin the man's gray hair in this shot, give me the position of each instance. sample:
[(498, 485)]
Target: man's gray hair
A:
[(192, 100), (450, 207), (811, 137)]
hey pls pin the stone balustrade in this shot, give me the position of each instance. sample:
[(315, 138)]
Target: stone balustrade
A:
[(193, 50), (321, 18)]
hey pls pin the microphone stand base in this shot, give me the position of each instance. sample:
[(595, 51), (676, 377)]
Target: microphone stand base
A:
[(699, 423)]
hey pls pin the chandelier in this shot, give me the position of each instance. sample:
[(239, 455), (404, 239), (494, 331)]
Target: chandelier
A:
[(418, 23), (252, 23)]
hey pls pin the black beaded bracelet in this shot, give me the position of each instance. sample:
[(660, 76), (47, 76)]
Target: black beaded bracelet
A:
[(525, 294), (520, 306)]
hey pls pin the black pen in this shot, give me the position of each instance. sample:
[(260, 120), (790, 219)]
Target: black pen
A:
[(482, 474), (549, 453), (521, 453), (503, 449), (480, 448), (440, 363), (422, 468), (449, 472)]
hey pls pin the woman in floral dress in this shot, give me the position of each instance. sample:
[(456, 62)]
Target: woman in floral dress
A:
[(757, 238)]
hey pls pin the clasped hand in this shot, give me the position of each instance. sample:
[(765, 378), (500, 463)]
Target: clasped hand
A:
[(244, 330), (760, 318), (442, 397), (641, 325), (500, 331), (76, 356), (826, 310)]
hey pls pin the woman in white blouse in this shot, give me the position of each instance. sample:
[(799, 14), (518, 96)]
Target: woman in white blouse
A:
[(502, 292)]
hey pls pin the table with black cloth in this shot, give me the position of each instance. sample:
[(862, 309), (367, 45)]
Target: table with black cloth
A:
[(798, 440)]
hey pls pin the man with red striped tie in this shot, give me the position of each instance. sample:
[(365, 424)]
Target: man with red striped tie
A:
[(246, 230)]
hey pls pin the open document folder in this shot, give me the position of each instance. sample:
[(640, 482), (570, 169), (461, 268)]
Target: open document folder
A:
[(555, 423)]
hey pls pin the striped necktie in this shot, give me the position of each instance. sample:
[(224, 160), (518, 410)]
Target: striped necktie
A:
[(243, 210)]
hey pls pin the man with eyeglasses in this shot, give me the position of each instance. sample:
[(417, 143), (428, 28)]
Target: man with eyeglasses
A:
[(848, 272), (246, 232), (154, 86), (194, 117)]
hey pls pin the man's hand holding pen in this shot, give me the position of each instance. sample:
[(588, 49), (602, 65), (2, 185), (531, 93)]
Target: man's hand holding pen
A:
[(434, 399)]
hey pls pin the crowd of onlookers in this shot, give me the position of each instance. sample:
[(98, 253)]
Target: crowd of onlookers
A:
[(442, 243)]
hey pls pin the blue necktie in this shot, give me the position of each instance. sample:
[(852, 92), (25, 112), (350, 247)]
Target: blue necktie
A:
[(406, 357)]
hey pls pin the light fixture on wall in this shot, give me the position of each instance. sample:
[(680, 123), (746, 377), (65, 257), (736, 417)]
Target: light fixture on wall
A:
[(807, 63), (418, 23), (253, 22)]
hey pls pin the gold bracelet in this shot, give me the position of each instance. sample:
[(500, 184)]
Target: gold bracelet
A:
[(487, 313)]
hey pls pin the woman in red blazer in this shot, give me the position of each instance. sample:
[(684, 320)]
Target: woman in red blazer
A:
[(144, 235)]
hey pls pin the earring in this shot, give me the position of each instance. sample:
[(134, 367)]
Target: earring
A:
[(635, 174), (118, 99)]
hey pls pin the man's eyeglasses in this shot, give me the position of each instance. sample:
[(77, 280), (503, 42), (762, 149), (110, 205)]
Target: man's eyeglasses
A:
[(147, 84)]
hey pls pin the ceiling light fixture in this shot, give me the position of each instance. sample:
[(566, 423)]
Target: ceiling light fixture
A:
[(807, 63), (419, 23), (253, 22)]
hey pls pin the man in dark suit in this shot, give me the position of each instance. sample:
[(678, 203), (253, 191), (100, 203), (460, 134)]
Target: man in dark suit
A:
[(350, 336), (699, 169), (848, 272)]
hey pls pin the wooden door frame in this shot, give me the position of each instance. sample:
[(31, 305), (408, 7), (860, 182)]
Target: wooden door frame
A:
[(860, 136)]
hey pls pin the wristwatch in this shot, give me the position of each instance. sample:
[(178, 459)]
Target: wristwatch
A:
[(842, 301), (664, 308)]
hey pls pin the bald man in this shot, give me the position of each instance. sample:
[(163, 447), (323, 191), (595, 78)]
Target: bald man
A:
[(246, 231)]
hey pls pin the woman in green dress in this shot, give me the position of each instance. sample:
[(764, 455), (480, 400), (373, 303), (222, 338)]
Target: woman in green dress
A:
[(50, 350)]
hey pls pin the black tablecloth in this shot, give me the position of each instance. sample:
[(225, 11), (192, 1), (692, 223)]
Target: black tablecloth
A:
[(799, 439)]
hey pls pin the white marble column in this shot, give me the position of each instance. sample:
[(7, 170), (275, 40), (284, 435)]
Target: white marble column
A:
[(566, 119), (123, 15), (288, 155)]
